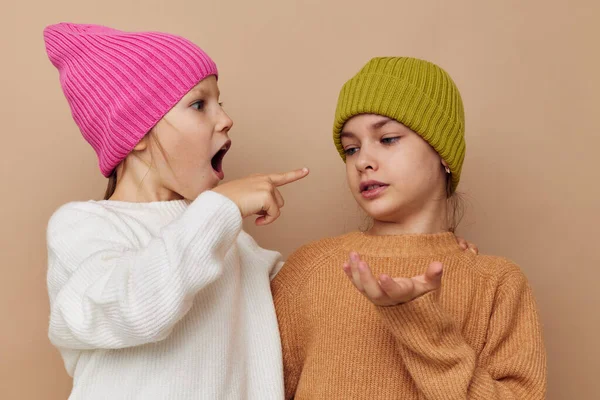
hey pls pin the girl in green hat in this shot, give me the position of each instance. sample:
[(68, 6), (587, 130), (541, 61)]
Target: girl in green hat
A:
[(400, 311)]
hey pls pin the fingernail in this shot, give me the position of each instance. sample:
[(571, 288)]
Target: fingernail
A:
[(304, 169), (353, 256)]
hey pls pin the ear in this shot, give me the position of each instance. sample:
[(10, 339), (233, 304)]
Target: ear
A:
[(446, 167), (142, 144)]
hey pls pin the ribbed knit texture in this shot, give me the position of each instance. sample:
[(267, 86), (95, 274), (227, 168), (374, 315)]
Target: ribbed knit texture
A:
[(120, 84), (164, 301), (478, 337), (416, 93)]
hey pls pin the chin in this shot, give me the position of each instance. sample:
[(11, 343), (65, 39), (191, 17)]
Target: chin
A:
[(381, 211)]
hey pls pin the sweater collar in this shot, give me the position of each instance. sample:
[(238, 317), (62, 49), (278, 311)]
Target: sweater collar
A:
[(413, 245), (171, 208)]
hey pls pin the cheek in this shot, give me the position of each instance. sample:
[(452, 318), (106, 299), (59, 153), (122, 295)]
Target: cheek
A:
[(419, 174), (187, 152), (352, 175), (192, 140)]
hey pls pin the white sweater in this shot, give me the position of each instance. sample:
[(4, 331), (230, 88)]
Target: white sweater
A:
[(165, 300)]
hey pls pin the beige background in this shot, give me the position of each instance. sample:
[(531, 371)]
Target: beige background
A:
[(529, 74)]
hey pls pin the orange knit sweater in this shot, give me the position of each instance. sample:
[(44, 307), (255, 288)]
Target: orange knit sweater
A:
[(478, 337)]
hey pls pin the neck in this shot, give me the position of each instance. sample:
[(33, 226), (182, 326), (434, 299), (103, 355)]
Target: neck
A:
[(137, 187), (431, 218)]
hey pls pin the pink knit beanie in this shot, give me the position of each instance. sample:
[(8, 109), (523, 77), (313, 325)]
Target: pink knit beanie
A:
[(120, 84)]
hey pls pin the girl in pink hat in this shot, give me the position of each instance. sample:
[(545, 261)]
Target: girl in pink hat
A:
[(156, 292)]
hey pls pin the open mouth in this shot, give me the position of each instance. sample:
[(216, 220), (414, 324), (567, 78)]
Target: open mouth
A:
[(217, 160), (372, 189), (368, 186)]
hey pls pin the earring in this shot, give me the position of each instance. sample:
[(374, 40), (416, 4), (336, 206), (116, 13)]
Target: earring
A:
[(447, 170)]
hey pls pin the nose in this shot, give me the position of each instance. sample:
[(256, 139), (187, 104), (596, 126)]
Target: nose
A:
[(366, 160), (225, 123)]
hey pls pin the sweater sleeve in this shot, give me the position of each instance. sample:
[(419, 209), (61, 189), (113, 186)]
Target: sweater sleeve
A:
[(106, 292), (257, 256), (512, 364)]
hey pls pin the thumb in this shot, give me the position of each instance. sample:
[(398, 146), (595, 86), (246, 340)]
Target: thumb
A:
[(433, 275)]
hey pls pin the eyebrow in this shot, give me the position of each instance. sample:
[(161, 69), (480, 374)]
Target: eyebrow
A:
[(347, 135), (200, 92), (373, 127)]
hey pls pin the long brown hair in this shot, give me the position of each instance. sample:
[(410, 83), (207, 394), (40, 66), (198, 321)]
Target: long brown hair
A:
[(456, 205), (112, 185)]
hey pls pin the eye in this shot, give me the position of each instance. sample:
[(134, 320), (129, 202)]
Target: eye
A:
[(350, 151), (390, 140), (199, 105)]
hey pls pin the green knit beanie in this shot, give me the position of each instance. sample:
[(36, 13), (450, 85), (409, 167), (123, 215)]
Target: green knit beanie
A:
[(416, 93)]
